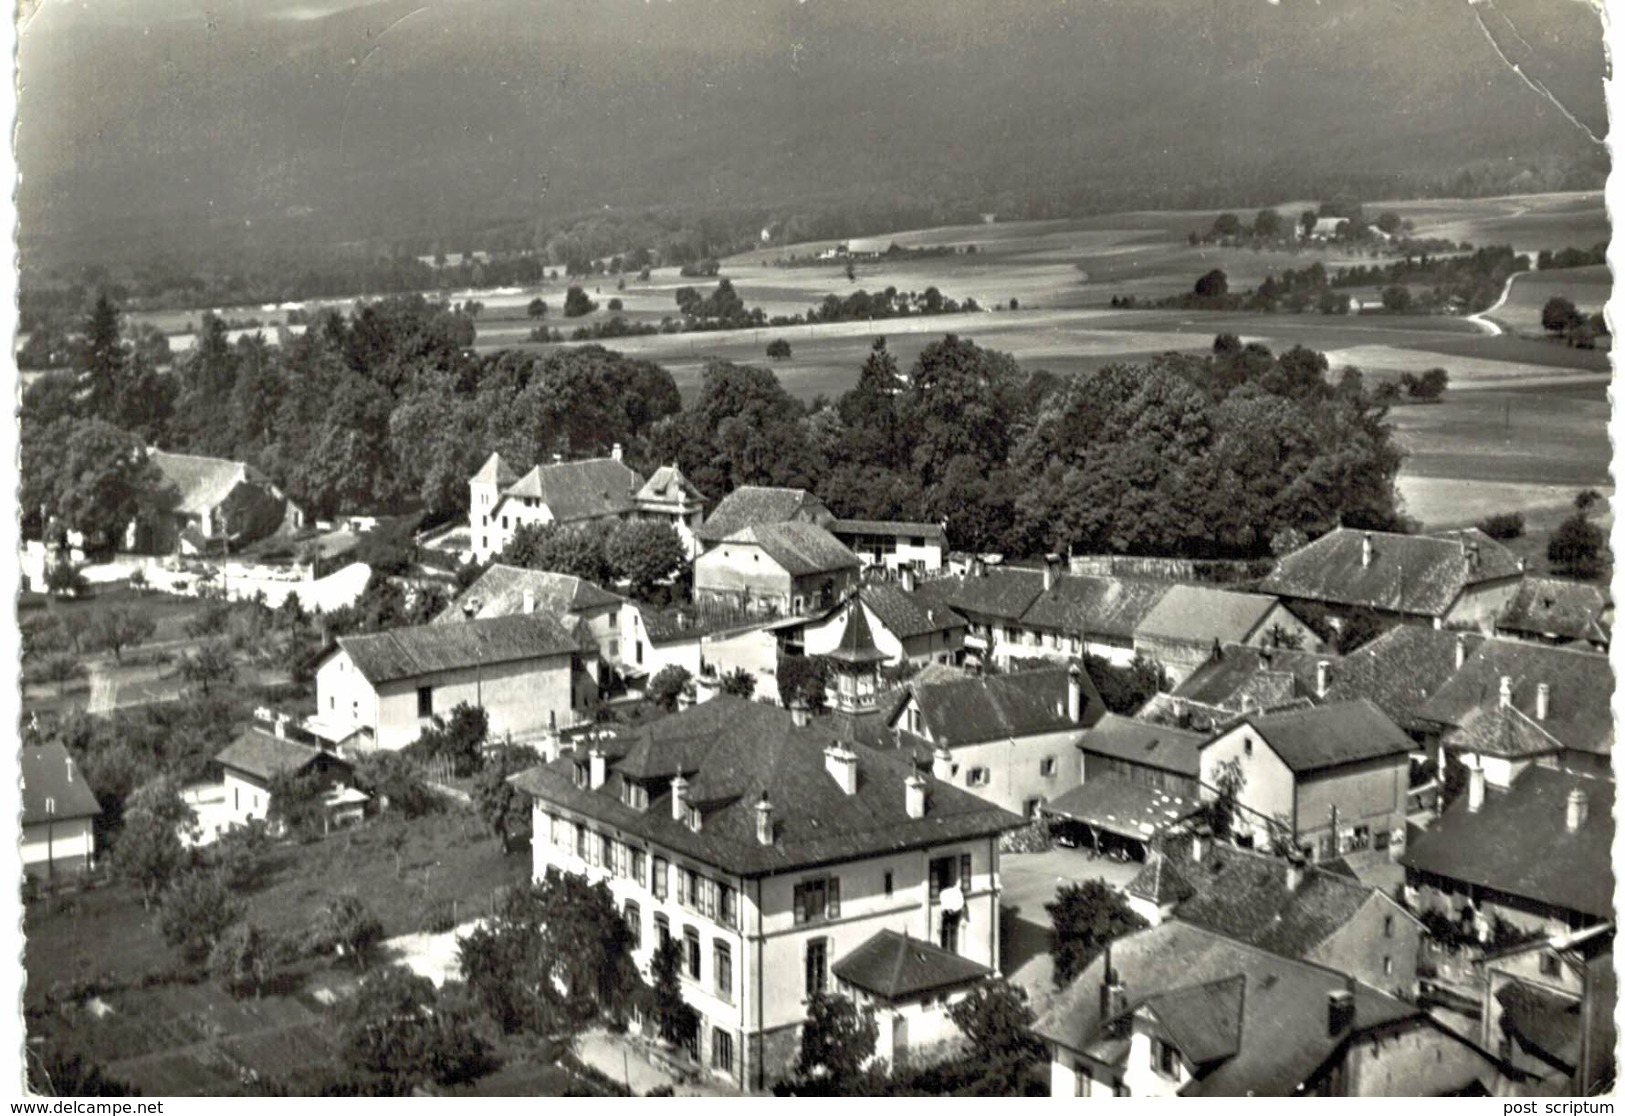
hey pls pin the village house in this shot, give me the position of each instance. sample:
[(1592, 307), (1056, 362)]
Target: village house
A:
[(776, 569), (1513, 704), (773, 857), (1327, 779), (757, 506), (1240, 678), (59, 811), (528, 672), (217, 505), (1188, 621), (1298, 910), (600, 488), (514, 591), (1140, 781), (893, 545), (1010, 739), (905, 627), (258, 757), (1181, 1010), (1401, 670), (909, 983), (992, 601), (1548, 1008), (1536, 855), (1565, 613), (1456, 578)]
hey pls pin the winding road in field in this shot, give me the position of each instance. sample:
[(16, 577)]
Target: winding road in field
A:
[(1482, 318)]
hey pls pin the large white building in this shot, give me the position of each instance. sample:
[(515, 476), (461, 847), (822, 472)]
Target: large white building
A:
[(772, 856)]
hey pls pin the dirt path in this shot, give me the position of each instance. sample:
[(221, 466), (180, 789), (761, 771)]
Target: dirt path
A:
[(1482, 319)]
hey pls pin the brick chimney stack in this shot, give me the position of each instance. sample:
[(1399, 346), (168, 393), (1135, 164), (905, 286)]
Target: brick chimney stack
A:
[(1543, 700), (914, 795), (1365, 550), (679, 796), (764, 821)]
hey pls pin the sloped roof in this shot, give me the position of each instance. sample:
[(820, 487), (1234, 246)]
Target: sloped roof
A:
[(800, 548), (500, 591), (1557, 609), (1401, 669), (896, 967), (1544, 1023), (1582, 686), (265, 755), (49, 773), (1201, 613), (1203, 1022), (431, 648), (755, 506), (1245, 895), (907, 615), (733, 751), (1003, 593), (1002, 707), (577, 490), (1330, 735), (1160, 880), (202, 482), (1417, 574), (667, 485), (495, 471), (857, 643), (1161, 746), (1519, 842), (1507, 733), (1122, 806), (1269, 676), (1099, 606), (1283, 1038), (887, 528)]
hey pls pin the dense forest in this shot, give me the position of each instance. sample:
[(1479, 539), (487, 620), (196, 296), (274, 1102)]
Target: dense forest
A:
[(387, 411)]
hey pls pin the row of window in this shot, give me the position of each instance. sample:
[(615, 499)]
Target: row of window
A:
[(696, 892), (722, 962)]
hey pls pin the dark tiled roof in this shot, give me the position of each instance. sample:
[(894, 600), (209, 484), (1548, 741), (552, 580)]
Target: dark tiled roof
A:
[(1201, 613), (1160, 881), (857, 644), (732, 751), (1547, 606), (431, 648), (1545, 1024), (1417, 574), (1203, 1022), (897, 967), (49, 773), (1001, 707), (1112, 607), (495, 471), (202, 482), (887, 528), (1331, 735), (755, 506), (1283, 1038), (1160, 746), (1506, 733), (1582, 686), (1120, 806), (1401, 669), (1244, 895), (577, 490), (1001, 593), (1270, 677), (265, 755), (800, 548), (667, 485), (692, 621), (907, 615), (500, 591), (1519, 843)]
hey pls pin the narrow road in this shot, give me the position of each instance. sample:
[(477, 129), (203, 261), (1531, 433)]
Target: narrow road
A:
[(1482, 320)]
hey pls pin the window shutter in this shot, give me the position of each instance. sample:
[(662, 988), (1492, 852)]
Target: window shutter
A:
[(834, 901), (964, 871), (801, 903)]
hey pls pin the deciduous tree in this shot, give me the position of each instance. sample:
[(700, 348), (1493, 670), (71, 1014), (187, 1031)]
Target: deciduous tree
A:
[(1086, 917)]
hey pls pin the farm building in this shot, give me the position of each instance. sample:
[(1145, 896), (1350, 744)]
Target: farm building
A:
[(905, 628), (893, 545), (776, 569), (59, 811), (1551, 610), (514, 591), (217, 504), (258, 757), (1188, 621), (756, 506)]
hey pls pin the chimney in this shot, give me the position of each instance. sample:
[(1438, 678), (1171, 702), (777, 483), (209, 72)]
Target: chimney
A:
[(764, 821), (597, 768), (1323, 677), (1471, 550), (1461, 651), (978, 567), (70, 769), (1294, 873), (1475, 788), (798, 712), (1074, 694), (529, 601), (1579, 809), (842, 764), (1198, 847), (679, 796), (1365, 550), (914, 795), (615, 452), (1052, 568), (1113, 996), (1506, 691), (1543, 700), (280, 726), (942, 763), (1339, 1011), (558, 458), (907, 575)]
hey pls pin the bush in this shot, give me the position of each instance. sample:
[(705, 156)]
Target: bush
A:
[(577, 304), (778, 349), (1576, 547), (196, 910), (615, 304), (1507, 525)]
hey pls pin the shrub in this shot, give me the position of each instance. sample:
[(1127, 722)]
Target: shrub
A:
[(778, 349), (195, 913), (1507, 525)]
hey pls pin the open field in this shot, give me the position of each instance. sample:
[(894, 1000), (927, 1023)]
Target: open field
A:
[(1587, 287), (1528, 222)]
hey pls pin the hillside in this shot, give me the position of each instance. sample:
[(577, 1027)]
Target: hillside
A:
[(181, 131)]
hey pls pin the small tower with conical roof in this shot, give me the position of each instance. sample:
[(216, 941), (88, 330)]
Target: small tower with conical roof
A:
[(855, 677)]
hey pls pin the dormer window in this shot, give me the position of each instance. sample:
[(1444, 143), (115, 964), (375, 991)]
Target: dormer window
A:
[(582, 776), (635, 795), (692, 818), (1164, 1059)]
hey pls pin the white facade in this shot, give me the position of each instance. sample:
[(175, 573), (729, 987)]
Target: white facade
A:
[(58, 846)]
